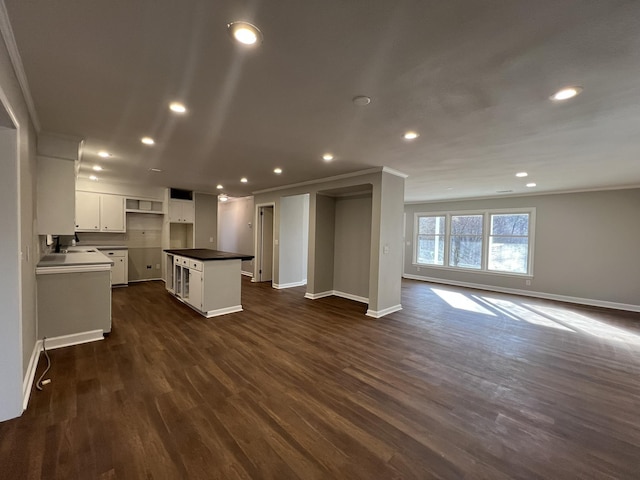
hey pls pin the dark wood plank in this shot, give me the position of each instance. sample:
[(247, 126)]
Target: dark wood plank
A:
[(459, 384)]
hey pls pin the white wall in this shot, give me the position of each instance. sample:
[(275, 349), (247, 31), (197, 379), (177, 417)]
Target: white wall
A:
[(19, 252), (294, 240), (586, 247), (352, 245), (235, 228)]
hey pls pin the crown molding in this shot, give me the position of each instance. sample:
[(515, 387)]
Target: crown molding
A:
[(16, 61)]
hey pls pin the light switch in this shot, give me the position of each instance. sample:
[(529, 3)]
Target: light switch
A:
[(276, 241), (385, 249)]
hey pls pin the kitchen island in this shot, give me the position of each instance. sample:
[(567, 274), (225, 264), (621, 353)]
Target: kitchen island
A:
[(74, 297), (207, 280)]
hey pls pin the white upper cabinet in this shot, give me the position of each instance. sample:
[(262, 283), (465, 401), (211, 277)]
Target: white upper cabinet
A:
[(112, 213), (87, 212), (97, 212), (56, 184), (181, 211)]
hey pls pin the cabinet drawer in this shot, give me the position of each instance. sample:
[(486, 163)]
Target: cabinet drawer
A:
[(195, 265), (184, 261), (114, 253)]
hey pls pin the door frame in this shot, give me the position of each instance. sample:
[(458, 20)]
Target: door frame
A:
[(256, 242)]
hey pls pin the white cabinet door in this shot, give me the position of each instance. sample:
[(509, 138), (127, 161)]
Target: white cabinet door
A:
[(118, 271), (195, 289), (55, 203), (181, 211), (188, 212), (87, 212), (112, 213)]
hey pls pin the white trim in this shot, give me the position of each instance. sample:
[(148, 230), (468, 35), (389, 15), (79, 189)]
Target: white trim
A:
[(289, 285), (73, 269), (73, 339), (383, 312), (257, 246), (350, 296), (315, 296), (531, 194), (392, 171), (139, 280), (320, 180), (246, 274), (18, 67), (336, 293), (31, 374), (221, 311), (528, 293)]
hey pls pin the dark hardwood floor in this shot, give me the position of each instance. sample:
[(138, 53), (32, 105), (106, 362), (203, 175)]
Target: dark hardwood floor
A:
[(461, 384)]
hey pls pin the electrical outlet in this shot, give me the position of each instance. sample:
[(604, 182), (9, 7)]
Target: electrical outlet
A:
[(210, 239), (527, 283)]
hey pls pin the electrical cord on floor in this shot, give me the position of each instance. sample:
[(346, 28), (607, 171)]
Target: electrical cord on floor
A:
[(41, 382)]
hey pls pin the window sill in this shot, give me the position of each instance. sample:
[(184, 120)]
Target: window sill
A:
[(471, 270)]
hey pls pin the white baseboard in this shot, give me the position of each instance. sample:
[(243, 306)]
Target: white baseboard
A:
[(246, 274), (31, 374), (336, 293), (529, 293), (315, 296), (384, 311), (223, 311), (73, 339), (280, 286), (141, 280), (349, 296)]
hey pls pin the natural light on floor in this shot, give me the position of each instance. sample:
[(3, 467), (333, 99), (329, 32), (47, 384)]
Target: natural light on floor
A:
[(462, 302), (540, 315), (586, 324)]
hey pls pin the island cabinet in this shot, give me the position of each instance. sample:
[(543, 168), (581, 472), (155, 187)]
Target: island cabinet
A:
[(208, 282)]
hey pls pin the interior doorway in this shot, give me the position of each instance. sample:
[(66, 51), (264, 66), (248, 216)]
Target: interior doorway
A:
[(12, 368), (265, 243)]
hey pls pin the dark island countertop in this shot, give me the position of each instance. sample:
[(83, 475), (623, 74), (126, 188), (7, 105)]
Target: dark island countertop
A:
[(205, 254)]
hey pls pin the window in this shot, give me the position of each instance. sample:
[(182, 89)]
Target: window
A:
[(490, 241), (465, 241), (431, 240), (509, 242)]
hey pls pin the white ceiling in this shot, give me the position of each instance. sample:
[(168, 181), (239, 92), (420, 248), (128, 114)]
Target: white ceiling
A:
[(474, 78)]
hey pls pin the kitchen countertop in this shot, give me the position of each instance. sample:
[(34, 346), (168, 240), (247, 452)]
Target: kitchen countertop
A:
[(206, 254), (74, 258)]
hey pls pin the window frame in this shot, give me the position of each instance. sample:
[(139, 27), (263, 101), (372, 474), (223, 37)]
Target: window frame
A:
[(486, 226)]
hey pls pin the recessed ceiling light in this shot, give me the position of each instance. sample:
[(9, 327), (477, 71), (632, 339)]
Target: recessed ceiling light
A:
[(93, 177), (522, 174), (566, 93), (531, 185), (97, 168), (277, 171), (104, 154), (156, 170), (361, 100), (177, 107), (411, 135), (219, 187), (327, 157), (245, 33), (223, 198), (147, 140), (244, 180)]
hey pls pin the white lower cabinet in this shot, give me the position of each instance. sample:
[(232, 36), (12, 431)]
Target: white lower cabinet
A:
[(120, 269)]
